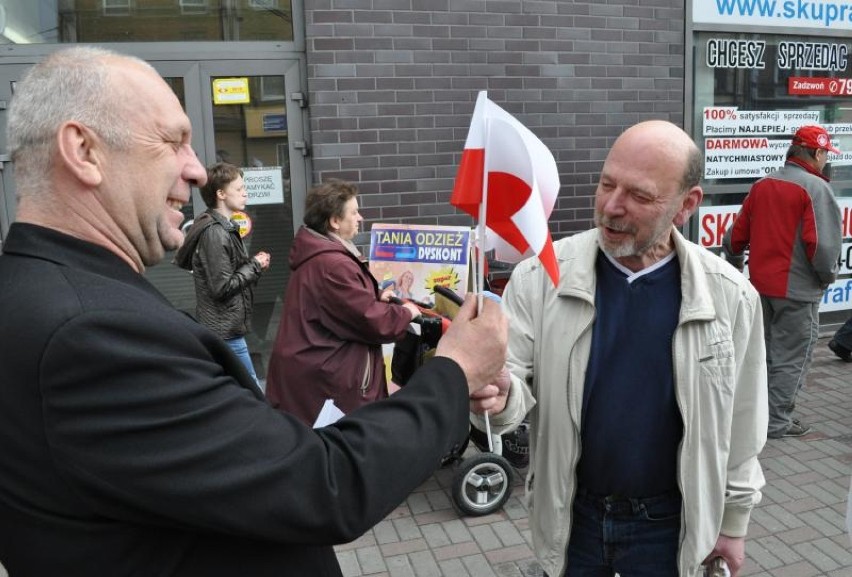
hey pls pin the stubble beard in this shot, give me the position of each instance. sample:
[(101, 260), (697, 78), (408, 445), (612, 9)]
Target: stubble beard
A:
[(616, 250), (629, 247)]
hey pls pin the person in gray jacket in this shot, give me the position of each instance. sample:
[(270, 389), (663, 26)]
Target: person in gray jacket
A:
[(223, 273), (644, 378), (790, 223)]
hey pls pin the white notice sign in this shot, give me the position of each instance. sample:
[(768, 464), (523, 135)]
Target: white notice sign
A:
[(264, 185)]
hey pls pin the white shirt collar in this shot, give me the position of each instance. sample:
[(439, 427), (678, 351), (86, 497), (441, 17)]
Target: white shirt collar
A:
[(632, 276)]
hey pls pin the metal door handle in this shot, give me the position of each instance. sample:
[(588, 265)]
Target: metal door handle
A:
[(299, 98), (302, 146)]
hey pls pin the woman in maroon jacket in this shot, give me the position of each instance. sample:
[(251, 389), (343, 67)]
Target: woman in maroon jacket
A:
[(335, 319)]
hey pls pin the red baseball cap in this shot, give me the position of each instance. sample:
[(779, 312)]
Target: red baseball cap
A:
[(813, 136)]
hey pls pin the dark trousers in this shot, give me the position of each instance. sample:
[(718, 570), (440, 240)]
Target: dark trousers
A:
[(843, 336), (631, 537)]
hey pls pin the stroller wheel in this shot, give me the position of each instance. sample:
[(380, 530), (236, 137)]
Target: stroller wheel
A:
[(482, 484)]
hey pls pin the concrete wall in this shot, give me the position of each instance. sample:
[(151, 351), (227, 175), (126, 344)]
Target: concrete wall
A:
[(392, 85)]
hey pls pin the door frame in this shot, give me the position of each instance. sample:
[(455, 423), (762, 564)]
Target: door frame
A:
[(297, 121), (198, 94), (9, 73)]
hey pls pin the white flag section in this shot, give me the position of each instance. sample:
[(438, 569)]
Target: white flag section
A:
[(522, 182), (511, 153)]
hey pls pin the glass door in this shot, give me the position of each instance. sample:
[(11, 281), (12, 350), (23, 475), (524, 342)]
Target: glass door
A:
[(255, 118), (248, 113), (184, 79)]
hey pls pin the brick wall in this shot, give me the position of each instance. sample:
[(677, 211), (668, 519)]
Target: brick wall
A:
[(392, 85)]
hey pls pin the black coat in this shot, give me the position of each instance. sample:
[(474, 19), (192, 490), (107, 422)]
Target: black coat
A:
[(223, 273), (133, 441)]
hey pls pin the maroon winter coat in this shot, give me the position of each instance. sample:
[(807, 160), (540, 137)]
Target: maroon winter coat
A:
[(332, 327)]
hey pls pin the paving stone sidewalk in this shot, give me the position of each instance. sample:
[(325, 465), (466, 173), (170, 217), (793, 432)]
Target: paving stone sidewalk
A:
[(797, 531)]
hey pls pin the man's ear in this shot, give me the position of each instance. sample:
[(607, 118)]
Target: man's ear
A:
[(691, 200), (80, 152)]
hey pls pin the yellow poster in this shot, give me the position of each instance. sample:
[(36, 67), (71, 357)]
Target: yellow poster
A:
[(231, 91)]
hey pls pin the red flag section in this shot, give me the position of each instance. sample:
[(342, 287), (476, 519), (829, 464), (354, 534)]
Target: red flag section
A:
[(467, 191)]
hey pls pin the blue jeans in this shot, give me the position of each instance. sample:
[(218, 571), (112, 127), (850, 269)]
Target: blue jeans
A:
[(631, 537), (240, 348)]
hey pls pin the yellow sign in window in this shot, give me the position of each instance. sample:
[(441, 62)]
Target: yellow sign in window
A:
[(231, 91)]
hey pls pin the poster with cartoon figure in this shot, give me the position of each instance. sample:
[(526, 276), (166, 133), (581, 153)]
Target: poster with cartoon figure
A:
[(412, 259)]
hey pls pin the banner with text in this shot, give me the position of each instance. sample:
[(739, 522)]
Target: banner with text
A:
[(753, 143), (714, 221), (412, 259), (801, 14)]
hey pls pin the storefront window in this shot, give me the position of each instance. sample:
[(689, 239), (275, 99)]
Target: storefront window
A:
[(751, 93), (92, 21), (753, 90)]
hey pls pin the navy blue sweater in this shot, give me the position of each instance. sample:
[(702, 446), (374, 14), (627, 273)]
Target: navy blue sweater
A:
[(631, 425)]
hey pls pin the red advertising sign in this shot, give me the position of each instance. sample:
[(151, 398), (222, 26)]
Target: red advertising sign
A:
[(805, 85)]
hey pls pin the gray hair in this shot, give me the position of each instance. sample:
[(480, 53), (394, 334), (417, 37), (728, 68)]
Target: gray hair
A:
[(694, 168), (70, 84)]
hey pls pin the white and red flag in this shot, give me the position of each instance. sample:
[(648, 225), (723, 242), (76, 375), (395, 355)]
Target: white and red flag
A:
[(506, 168)]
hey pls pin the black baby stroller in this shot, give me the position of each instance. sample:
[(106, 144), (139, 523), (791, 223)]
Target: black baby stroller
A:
[(482, 483)]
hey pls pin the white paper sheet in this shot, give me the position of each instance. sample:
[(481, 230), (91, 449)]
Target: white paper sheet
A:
[(328, 414)]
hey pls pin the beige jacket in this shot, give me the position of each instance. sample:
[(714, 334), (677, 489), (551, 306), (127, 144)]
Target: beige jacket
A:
[(720, 380)]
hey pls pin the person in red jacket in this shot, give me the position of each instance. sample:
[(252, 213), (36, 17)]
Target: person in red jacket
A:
[(335, 318), (790, 223)]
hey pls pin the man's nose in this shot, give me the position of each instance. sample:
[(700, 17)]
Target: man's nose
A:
[(194, 172), (614, 202)]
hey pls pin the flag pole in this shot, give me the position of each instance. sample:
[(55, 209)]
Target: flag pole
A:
[(483, 206), (480, 254)]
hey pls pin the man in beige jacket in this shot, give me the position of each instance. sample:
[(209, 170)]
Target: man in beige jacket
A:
[(644, 377)]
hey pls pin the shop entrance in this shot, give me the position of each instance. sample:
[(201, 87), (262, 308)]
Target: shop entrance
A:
[(250, 113)]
